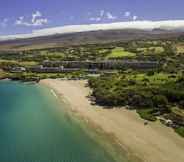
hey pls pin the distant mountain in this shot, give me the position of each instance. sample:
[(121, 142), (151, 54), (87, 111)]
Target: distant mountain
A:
[(95, 33)]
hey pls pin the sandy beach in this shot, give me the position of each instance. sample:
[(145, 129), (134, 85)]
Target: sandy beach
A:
[(152, 143)]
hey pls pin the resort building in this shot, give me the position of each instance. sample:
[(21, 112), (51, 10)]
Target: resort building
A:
[(104, 65)]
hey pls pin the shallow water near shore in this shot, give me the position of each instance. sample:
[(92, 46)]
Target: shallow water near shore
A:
[(32, 128)]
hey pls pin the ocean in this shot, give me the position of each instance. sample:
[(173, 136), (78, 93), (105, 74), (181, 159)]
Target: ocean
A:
[(34, 127)]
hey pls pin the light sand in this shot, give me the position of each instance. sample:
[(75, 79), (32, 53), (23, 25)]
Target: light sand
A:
[(152, 143)]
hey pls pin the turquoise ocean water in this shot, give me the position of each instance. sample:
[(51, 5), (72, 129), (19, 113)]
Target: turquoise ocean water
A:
[(32, 129)]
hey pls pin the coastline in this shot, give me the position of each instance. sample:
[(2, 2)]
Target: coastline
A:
[(152, 143)]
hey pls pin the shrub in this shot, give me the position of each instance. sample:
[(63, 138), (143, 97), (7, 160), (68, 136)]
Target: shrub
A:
[(181, 103), (180, 131), (173, 95), (150, 73), (140, 101), (146, 114), (160, 101), (131, 82)]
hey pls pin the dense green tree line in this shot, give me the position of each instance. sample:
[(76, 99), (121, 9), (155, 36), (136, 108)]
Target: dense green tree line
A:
[(122, 90)]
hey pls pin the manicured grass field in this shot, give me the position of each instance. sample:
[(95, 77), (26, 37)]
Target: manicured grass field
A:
[(54, 54), (119, 52), (154, 50), (156, 79), (20, 63)]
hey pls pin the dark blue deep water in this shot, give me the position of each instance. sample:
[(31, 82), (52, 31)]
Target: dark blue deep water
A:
[(32, 129)]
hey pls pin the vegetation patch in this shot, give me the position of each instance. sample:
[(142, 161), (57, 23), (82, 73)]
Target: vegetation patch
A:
[(157, 91), (180, 131), (147, 114), (178, 111), (180, 48), (151, 50), (3, 74), (120, 52), (149, 94)]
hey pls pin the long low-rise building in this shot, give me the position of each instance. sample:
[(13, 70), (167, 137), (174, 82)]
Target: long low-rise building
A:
[(60, 69), (104, 65), (92, 66)]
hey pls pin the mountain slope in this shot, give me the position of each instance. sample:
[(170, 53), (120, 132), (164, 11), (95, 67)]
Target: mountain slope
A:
[(96, 33)]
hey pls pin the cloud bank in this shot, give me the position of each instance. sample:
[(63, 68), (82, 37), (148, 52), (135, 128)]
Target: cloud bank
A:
[(103, 15), (140, 25), (36, 20)]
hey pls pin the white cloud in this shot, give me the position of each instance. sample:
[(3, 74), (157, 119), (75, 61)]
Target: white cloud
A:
[(95, 18), (4, 22), (139, 25), (98, 18), (35, 16), (37, 20), (110, 16), (102, 12), (20, 21), (134, 18), (103, 15), (127, 13)]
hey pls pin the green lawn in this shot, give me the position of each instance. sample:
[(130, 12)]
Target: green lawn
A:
[(156, 79), (20, 63), (53, 54), (119, 52), (154, 50)]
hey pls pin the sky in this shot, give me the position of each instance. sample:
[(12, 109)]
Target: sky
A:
[(23, 16)]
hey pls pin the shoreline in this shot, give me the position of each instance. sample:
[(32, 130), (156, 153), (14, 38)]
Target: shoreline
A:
[(119, 152), (152, 143)]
